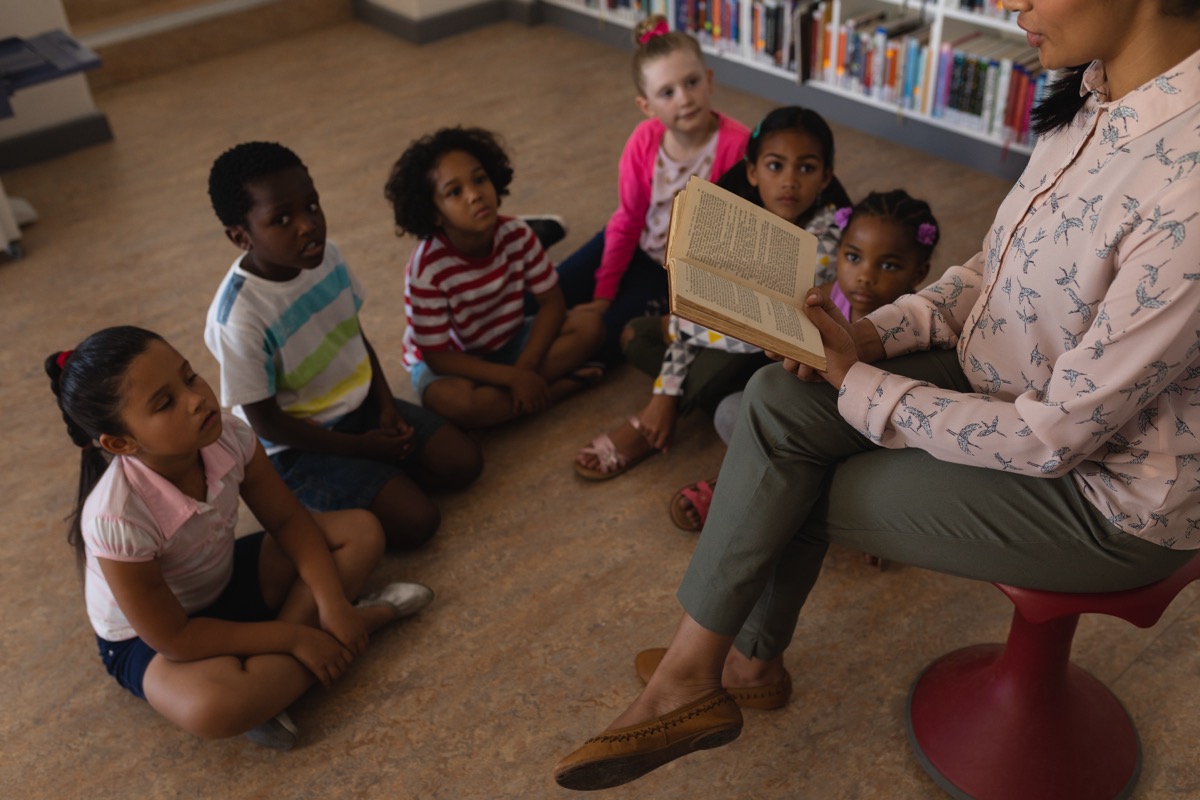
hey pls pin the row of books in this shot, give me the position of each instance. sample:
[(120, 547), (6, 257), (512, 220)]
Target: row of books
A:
[(761, 29), (632, 9), (879, 53), (980, 82), (984, 83), (988, 84)]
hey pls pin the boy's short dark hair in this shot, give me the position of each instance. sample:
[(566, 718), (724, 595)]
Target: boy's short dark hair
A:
[(238, 166), (410, 185)]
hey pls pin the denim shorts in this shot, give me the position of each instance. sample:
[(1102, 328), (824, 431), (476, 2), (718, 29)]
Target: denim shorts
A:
[(422, 376), (240, 601), (326, 482)]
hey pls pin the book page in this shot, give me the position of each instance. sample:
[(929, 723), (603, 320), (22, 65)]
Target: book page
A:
[(727, 233), (695, 286)]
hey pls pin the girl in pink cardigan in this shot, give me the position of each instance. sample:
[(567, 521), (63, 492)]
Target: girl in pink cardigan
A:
[(619, 272)]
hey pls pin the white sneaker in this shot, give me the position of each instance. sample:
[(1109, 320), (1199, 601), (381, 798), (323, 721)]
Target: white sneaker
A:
[(405, 599), (279, 733)]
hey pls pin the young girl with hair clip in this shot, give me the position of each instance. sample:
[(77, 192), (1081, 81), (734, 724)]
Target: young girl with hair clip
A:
[(787, 169), (1029, 418), (887, 242), (219, 636), (619, 272)]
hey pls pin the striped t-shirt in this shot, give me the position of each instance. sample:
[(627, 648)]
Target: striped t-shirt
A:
[(297, 341), (472, 305)]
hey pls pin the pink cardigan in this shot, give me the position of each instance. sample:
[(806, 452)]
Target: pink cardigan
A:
[(635, 175)]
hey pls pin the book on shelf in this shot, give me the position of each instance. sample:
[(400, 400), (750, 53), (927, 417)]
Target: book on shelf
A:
[(882, 54), (738, 269), (760, 30), (987, 84)]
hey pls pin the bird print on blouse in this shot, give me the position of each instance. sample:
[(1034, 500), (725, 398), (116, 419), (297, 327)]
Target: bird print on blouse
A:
[(1078, 322)]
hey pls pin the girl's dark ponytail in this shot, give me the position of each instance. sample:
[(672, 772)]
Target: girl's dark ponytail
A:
[(86, 383)]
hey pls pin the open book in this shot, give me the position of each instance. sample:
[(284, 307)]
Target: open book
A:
[(742, 271)]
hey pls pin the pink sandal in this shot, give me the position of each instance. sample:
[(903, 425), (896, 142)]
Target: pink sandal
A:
[(690, 504), (612, 461)]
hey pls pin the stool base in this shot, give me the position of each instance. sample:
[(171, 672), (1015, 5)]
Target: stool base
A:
[(983, 732)]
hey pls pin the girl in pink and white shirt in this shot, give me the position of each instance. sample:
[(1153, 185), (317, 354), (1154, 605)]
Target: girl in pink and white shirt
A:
[(619, 272), (218, 636)]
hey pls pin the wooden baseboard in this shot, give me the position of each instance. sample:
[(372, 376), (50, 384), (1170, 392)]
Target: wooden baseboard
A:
[(54, 141), (440, 26)]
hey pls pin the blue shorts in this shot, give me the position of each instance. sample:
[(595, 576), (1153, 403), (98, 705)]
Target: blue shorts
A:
[(422, 376), (326, 482), (240, 601)]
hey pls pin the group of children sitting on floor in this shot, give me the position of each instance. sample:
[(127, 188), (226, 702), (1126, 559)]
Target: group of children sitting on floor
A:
[(221, 637)]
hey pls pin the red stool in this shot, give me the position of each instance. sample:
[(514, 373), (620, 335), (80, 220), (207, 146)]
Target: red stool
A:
[(1019, 721)]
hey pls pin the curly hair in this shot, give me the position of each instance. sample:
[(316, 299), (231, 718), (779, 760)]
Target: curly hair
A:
[(410, 188), (239, 166)]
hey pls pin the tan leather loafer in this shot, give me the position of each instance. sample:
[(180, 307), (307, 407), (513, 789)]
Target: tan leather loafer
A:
[(763, 698), (625, 754)]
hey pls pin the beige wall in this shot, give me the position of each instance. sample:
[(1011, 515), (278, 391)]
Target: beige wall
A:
[(51, 103)]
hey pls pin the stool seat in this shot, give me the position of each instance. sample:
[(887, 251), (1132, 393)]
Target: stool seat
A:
[(1019, 721)]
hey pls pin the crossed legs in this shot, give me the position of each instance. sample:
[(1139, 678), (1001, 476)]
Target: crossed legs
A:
[(797, 477), (227, 695)]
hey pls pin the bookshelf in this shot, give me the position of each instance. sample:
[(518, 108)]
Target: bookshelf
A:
[(954, 78)]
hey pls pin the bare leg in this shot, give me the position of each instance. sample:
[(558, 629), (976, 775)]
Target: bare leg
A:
[(449, 460), (580, 337), (408, 515), (355, 542), (468, 404), (658, 424), (741, 672), (226, 695), (691, 669)]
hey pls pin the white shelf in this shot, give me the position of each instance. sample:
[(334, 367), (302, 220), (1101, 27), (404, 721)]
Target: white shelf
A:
[(940, 136)]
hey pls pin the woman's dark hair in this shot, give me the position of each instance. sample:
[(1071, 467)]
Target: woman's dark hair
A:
[(410, 187), (238, 166), (652, 41), (900, 207), (788, 118), (1060, 103), (1062, 99), (87, 384)]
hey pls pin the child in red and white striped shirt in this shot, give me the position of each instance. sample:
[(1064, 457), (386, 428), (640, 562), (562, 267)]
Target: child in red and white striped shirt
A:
[(473, 355)]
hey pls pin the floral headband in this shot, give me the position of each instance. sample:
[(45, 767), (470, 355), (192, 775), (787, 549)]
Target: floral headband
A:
[(660, 29), (926, 232)]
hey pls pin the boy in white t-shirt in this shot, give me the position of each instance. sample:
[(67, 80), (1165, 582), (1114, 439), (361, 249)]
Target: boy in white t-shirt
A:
[(295, 364)]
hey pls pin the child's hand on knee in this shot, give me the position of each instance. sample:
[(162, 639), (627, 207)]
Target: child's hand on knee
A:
[(346, 625), (323, 655), (529, 390), (390, 444)]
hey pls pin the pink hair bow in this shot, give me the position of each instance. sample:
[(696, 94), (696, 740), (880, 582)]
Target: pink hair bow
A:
[(660, 29)]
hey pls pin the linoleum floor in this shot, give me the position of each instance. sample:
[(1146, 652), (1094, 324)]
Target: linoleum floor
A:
[(546, 586)]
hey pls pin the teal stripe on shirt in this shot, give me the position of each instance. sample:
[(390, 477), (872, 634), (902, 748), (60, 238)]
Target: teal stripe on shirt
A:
[(302, 310)]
